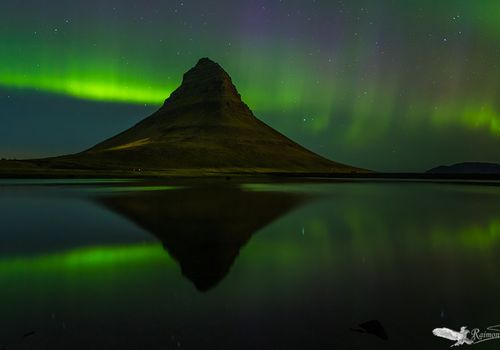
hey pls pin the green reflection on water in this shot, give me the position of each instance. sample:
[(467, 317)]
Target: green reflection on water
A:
[(87, 258), (352, 218), (480, 237)]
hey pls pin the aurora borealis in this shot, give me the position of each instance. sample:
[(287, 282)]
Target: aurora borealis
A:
[(388, 85)]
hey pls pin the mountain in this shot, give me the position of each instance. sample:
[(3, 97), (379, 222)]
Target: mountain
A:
[(467, 168), (204, 124)]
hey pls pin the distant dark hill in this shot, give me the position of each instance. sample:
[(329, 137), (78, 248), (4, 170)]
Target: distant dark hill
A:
[(204, 124), (467, 168)]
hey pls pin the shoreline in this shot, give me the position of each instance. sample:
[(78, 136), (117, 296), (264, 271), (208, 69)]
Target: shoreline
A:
[(208, 176)]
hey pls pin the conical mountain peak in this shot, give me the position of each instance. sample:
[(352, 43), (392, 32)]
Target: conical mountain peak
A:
[(206, 81), (206, 64), (205, 70), (204, 124)]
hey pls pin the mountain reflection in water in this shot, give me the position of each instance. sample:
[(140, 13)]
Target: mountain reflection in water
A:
[(203, 228)]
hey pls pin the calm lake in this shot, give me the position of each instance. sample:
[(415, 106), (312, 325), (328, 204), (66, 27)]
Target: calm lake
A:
[(110, 264)]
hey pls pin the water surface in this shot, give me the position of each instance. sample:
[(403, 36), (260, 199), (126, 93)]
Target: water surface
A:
[(108, 264)]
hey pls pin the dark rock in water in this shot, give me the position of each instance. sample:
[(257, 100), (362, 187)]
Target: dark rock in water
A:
[(204, 124), (467, 168), (29, 334), (373, 327)]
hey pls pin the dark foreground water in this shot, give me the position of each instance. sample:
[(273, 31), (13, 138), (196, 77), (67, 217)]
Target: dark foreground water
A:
[(108, 265)]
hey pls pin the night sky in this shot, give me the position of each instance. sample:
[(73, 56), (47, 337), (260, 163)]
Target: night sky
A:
[(390, 85)]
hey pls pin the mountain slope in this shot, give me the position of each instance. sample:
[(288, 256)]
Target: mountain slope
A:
[(204, 124)]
